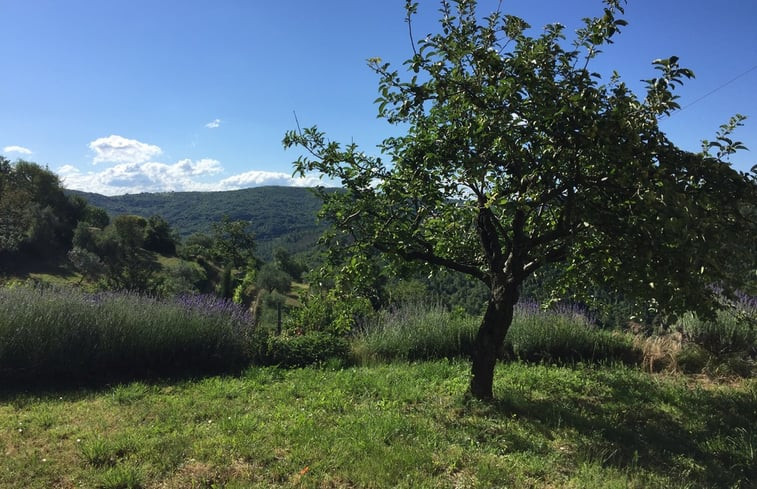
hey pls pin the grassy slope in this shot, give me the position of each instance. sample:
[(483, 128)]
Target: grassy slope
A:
[(387, 426)]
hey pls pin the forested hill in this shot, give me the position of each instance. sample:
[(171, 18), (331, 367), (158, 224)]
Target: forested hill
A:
[(284, 216)]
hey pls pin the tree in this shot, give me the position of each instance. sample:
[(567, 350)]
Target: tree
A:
[(36, 216), (517, 156), (233, 243), (159, 237)]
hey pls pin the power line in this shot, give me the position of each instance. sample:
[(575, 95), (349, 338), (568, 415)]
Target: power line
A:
[(719, 88)]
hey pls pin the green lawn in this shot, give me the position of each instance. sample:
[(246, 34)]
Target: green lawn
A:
[(399, 425)]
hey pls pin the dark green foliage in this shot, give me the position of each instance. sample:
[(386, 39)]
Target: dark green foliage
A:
[(94, 216), (233, 243), (226, 288), (307, 349), (159, 237), (87, 263), (36, 216), (284, 261), (183, 278), (126, 248), (693, 359), (272, 278)]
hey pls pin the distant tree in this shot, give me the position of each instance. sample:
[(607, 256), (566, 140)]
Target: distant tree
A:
[(159, 237), (87, 263), (126, 264), (196, 244), (233, 243), (226, 288), (272, 278), (286, 262), (129, 231), (517, 156), (95, 217)]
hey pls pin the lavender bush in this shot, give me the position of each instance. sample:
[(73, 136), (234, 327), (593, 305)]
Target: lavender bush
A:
[(418, 331), (566, 332), (67, 334)]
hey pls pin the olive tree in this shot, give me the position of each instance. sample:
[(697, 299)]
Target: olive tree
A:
[(517, 156)]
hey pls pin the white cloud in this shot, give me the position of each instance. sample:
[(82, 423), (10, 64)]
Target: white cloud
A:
[(182, 176), (17, 149), (134, 171), (213, 124), (118, 149), (258, 178)]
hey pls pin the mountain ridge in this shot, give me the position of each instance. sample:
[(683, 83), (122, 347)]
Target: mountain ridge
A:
[(278, 216)]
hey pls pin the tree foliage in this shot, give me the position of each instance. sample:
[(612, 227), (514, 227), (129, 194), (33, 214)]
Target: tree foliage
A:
[(518, 156), (36, 216)]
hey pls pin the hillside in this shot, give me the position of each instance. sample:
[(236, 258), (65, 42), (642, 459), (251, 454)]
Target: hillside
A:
[(279, 216)]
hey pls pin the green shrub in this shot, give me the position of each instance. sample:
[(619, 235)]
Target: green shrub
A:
[(303, 350), (693, 359), (415, 331), (420, 332), (329, 313), (732, 331), (565, 335), (723, 346)]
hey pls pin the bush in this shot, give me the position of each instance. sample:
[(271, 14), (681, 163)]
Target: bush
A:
[(420, 332), (732, 331), (415, 331), (564, 334), (693, 359), (303, 350), (50, 334)]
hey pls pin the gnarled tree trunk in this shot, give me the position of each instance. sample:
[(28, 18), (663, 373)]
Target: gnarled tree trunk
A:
[(490, 338)]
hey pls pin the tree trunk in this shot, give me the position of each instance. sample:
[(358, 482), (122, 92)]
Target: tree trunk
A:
[(490, 338)]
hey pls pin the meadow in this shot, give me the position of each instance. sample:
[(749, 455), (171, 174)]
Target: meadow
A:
[(122, 391)]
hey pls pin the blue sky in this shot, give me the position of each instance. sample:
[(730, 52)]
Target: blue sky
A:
[(123, 97)]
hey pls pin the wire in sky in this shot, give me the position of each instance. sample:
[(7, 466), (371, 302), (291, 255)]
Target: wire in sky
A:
[(718, 88)]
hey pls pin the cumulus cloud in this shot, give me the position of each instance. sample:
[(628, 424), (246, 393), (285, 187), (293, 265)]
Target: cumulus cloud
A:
[(133, 170), (182, 176), (122, 178), (118, 149), (17, 149), (258, 178), (213, 124)]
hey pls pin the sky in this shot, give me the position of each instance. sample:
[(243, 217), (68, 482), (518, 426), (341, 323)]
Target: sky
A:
[(137, 96)]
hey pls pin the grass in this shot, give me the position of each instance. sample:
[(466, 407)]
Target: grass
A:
[(400, 425)]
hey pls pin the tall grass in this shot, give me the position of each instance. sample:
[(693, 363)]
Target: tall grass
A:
[(418, 332), (415, 331), (564, 333), (56, 334)]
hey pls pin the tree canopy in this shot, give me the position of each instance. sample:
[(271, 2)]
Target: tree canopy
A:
[(36, 216), (517, 156)]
